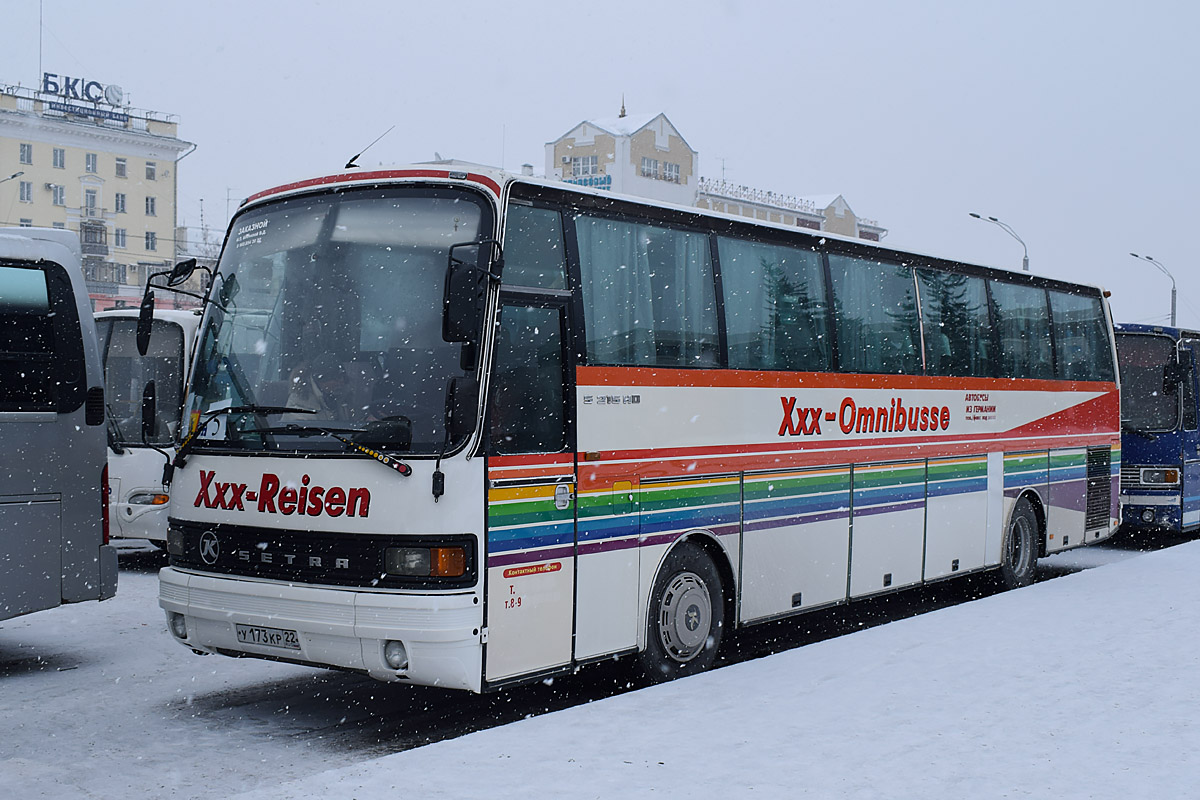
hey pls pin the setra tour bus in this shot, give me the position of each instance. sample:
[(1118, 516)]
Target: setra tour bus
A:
[(53, 485), (497, 427), (1160, 476), (137, 498)]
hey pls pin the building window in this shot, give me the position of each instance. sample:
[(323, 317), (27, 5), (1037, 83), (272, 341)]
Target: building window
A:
[(151, 240), (119, 237), (584, 165), (119, 203), (59, 225), (151, 171), (89, 162), (121, 173), (670, 172), (58, 195), (151, 207), (26, 153), (89, 202), (26, 222), (26, 191), (649, 167), (60, 158)]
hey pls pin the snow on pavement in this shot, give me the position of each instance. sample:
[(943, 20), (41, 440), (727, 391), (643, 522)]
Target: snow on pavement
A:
[(1081, 687)]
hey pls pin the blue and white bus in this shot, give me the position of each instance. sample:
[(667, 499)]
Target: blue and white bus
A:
[(1160, 437)]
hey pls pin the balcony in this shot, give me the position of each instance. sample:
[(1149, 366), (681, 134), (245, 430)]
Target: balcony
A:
[(93, 236)]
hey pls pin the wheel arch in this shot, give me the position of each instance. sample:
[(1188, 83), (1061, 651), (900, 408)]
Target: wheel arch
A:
[(1039, 514)]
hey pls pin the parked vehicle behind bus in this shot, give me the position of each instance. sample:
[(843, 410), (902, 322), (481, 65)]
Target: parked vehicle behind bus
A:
[(1160, 443), (496, 427), (137, 497), (53, 507)]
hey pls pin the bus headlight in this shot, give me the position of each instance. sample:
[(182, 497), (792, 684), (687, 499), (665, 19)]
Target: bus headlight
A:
[(426, 562), (174, 542), (1161, 476), (149, 499)]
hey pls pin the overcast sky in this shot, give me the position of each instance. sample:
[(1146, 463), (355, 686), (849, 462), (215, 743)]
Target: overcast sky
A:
[(1076, 123)]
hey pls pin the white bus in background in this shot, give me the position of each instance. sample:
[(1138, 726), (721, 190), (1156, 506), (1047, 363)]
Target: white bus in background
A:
[(53, 510), (137, 497)]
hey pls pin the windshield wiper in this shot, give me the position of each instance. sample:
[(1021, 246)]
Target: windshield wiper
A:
[(335, 433), (207, 417)]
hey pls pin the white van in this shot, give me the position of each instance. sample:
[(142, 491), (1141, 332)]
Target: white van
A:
[(138, 501), (53, 478)]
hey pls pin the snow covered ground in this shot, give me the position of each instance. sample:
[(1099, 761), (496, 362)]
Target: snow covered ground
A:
[(1076, 687)]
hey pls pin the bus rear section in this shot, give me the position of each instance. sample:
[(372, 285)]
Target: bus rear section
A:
[(53, 509), (1160, 442), (137, 498)]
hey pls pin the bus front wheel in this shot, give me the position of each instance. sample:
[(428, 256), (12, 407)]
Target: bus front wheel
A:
[(686, 616), (1019, 564)]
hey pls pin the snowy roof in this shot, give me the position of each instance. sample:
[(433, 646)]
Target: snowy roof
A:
[(626, 125)]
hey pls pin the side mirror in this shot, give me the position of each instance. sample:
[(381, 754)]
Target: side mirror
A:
[(461, 406), (1174, 374), (149, 412), (467, 279), (229, 289), (145, 322), (181, 272)]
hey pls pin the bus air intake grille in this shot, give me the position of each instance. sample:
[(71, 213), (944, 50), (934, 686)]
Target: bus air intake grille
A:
[(1099, 488)]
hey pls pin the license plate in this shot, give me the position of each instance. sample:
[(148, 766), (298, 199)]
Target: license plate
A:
[(268, 637)]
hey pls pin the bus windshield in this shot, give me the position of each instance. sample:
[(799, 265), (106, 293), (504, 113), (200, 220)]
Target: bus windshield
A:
[(1145, 405), (332, 306), (126, 373)]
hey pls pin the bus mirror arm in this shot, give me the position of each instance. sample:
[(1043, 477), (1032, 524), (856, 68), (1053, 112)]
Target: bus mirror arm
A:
[(182, 271), (149, 426)]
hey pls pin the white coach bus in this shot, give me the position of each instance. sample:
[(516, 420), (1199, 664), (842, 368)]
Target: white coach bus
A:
[(494, 427), (137, 497), (53, 509)]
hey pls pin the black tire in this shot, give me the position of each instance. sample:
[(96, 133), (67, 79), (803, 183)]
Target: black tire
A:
[(1018, 564), (686, 618)]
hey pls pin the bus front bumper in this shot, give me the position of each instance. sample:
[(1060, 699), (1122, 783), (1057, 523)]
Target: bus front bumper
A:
[(1151, 512), (342, 628)]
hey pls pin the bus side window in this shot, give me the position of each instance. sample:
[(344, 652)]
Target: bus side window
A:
[(1189, 390), (533, 248), (26, 341)]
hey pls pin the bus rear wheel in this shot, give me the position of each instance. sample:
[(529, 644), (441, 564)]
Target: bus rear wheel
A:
[(686, 617), (1019, 562)]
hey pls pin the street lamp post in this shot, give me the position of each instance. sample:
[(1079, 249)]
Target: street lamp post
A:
[(1164, 272), (1004, 226), (10, 177)]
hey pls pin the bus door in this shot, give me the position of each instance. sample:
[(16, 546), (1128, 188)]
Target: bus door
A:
[(1189, 436), (531, 493)]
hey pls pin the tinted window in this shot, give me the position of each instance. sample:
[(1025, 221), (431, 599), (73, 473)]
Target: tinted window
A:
[(1081, 338), (1144, 403), (775, 312), (527, 414), (1188, 387), (957, 332), (876, 315), (26, 341), (648, 295), (533, 248), (1023, 324), (126, 373)]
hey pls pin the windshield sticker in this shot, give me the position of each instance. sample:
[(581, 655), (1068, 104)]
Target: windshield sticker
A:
[(214, 428), (252, 233)]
